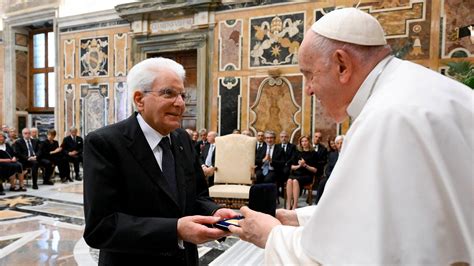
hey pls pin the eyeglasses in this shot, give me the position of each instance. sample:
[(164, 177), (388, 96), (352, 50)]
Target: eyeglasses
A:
[(170, 94)]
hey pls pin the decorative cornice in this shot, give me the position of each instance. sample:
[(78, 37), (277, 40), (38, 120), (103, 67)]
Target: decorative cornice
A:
[(165, 9)]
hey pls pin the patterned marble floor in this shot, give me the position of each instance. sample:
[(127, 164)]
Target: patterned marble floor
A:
[(45, 226)]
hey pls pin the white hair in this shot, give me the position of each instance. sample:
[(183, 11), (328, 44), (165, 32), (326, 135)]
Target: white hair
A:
[(340, 137), (327, 46), (143, 74)]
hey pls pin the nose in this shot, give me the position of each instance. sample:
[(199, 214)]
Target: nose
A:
[(179, 100)]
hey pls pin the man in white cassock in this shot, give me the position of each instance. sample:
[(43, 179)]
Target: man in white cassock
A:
[(402, 190)]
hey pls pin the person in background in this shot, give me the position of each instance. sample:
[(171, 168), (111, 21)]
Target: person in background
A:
[(10, 167), (201, 144), (208, 158), (332, 159), (72, 148), (5, 130), (289, 150), (303, 168), (51, 151), (12, 136), (247, 133), (34, 133)]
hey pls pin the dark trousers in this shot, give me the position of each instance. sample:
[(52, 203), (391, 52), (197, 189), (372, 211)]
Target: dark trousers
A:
[(75, 160), (34, 169), (320, 190), (269, 178)]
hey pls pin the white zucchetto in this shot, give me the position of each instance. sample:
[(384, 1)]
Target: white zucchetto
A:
[(350, 25)]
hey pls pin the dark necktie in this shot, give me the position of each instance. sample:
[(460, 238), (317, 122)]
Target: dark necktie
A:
[(167, 165), (30, 149)]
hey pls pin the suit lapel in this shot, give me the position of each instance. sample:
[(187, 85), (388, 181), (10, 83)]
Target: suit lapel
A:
[(144, 155), (178, 152)]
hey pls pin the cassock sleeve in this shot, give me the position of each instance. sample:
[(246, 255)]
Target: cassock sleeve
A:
[(283, 247), (304, 214)]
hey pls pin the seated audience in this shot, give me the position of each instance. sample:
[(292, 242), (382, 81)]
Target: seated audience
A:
[(332, 159), (12, 136), (303, 168)]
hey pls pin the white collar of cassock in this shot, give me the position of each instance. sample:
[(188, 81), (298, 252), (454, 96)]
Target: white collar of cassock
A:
[(362, 95)]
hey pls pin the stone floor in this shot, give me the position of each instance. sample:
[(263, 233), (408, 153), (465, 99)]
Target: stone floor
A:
[(45, 226)]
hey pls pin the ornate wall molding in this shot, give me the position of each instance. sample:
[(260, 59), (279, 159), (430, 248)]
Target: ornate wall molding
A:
[(120, 54), (94, 107), (69, 58)]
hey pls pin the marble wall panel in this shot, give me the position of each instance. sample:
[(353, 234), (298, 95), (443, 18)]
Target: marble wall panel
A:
[(457, 14), (229, 99), (21, 39), (2, 70), (43, 122), (230, 44), (94, 105), (122, 101), (120, 54), (275, 40), (276, 104), (69, 58), (94, 57), (21, 58), (69, 106)]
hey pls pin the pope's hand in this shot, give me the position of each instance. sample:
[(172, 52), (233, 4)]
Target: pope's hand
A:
[(287, 217), (255, 228)]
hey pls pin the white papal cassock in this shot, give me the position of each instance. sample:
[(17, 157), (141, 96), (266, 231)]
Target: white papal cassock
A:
[(402, 190)]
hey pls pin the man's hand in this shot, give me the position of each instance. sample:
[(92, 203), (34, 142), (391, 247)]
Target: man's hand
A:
[(192, 229), (287, 217), (225, 213), (255, 228), (32, 158)]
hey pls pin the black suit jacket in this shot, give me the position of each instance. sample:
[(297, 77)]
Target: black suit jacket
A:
[(278, 157), (205, 152), (21, 150), (69, 145), (130, 214), (321, 159)]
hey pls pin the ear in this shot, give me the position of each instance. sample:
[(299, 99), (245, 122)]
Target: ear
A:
[(138, 99), (344, 64)]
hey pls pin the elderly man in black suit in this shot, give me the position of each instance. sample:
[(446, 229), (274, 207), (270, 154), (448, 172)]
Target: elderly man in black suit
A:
[(72, 148), (27, 150), (145, 196)]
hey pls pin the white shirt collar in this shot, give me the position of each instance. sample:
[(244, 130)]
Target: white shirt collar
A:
[(362, 95), (152, 136), (3, 147)]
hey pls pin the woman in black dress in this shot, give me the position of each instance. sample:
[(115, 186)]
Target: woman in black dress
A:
[(303, 168), (9, 167), (51, 151)]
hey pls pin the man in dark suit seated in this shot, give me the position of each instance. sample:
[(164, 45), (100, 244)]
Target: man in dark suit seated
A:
[(288, 151), (321, 156), (208, 158), (145, 196), (269, 160), (72, 148), (27, 150)]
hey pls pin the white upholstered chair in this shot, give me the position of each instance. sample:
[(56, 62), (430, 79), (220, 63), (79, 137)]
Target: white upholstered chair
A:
[(235, 165)]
